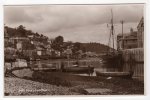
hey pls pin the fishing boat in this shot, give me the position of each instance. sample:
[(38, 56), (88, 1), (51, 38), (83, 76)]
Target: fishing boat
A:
[(115, 74), (79, 69)]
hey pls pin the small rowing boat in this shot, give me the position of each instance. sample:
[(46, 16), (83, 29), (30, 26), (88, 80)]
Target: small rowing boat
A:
[(115, 74)]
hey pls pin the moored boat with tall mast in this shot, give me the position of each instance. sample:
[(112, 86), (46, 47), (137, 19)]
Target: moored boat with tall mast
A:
[(112, 55)]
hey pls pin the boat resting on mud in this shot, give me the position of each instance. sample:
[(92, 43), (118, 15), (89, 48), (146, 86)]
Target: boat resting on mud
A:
[(115, 74), (79, 69), (44, 67)]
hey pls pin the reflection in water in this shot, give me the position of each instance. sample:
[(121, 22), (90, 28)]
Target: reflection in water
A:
[(137, 68)]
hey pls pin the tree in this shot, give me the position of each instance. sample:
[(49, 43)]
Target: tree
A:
[(29, 32), (84, 49), (59, 40), (41, 35), (36, 34), (21, 31), (57, 44), (77, 46)]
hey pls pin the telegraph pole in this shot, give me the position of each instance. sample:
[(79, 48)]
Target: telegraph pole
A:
[(112, 29), (122, 22)]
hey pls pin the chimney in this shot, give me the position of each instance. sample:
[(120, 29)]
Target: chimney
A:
[(131, 30)]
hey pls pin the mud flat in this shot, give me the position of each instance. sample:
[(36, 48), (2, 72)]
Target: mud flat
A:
[(59, 83)]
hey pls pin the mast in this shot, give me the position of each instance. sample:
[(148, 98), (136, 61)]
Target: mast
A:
[(109, 42), (122, 35), (112, 28), (111, 37)]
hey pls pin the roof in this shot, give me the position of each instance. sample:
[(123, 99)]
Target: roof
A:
[(40, 48), (30, 36), (22, 38), (141, 23), (128, 34)]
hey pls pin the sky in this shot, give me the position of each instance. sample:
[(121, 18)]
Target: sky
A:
[(77, 23)]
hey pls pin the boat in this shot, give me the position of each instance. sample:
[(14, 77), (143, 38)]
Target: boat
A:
[(112, 56), (79, 69), (115, 74), (44, 67)]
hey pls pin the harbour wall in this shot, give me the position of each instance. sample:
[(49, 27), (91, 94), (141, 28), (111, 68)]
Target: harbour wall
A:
[(133, 55)]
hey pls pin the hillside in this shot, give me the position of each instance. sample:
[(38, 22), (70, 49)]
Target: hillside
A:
[(95, 47), (21, 31)]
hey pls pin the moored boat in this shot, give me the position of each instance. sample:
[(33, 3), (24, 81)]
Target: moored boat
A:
[(115, 74), (112, 56), (44, 67)]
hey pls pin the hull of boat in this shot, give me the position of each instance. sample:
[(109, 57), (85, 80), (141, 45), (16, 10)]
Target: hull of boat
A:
[(115, 74), (79, 69), (44, 67), (112, 59)]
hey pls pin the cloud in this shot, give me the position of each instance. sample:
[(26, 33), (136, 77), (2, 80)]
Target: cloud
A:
[(92, 33), (19, 15), (71, 19)]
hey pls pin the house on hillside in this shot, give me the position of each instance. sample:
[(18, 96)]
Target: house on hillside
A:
[(40, 51), (90, 54), (6, 37), (18, 41), (30, 37)]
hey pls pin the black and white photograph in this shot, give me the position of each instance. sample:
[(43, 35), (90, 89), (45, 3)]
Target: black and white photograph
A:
[(74, 49)]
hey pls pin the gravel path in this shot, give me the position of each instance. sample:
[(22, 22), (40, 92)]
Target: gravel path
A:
[(17, 86)]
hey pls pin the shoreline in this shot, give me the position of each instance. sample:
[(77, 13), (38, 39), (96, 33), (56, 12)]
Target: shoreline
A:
[(74, 84)]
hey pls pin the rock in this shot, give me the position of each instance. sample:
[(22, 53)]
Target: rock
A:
[(23, 73)]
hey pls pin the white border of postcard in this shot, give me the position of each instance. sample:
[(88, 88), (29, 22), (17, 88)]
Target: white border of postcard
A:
[(30, 2)]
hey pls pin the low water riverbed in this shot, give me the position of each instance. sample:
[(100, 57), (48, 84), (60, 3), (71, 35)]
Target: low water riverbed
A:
[(137, 68)]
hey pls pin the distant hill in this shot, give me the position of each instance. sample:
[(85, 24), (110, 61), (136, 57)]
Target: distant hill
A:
[(95, 47)]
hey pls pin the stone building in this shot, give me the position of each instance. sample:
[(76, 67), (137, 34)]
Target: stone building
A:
[(140, 33), (127, 41)]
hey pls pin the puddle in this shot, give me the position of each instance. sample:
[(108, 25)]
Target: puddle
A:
[(98, 90)]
